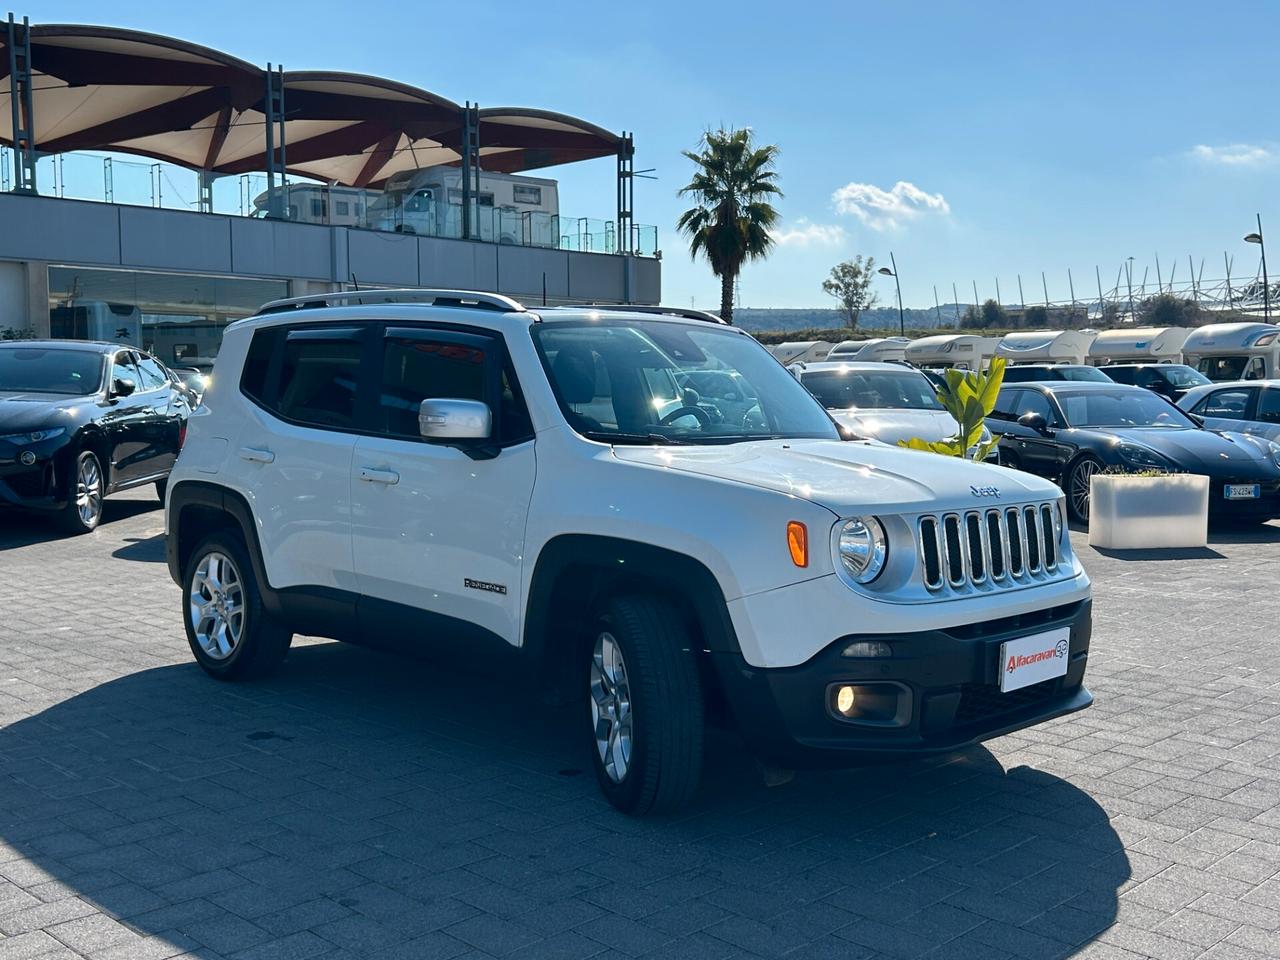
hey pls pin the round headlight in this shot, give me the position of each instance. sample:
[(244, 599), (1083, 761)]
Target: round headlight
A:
[(863, 548)]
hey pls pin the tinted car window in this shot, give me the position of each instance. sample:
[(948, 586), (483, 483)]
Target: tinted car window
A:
[(516, 425), (1226, 404), (1113, 408), (1006, 404), (41, 370), (871, 390), (1121, 374), (153, 375), (1032, 401), (318, 380), (417, 368), (1269, 406), (253, 378)]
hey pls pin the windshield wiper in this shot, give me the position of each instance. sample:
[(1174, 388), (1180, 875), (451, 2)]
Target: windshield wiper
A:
[(657, 439)]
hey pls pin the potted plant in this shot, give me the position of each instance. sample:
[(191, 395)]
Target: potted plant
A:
[(969, 397), (1148, 509)]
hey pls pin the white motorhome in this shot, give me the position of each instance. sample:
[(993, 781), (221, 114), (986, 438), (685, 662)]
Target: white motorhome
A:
[(97, 320), (1138, 345), (801, 351), (846, 349), (1045, 346), (507, 209), (1234, 351), (336, 206), (963, 351), (877, 349)]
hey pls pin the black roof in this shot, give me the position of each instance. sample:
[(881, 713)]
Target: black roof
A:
[(1063, 386)]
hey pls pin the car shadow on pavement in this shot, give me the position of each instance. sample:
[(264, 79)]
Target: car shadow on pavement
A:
[(142, 549), (19, 529), (1161, 553), (373, 803)]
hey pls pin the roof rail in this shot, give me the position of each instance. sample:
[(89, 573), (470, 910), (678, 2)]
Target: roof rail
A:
[(686, 313), (438, 298)]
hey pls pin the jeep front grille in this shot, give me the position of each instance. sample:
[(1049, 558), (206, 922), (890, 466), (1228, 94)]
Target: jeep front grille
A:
[(998, 547)]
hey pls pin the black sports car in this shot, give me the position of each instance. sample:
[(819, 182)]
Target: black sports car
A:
[(1069, 431), (81, 420), (1170, 380)]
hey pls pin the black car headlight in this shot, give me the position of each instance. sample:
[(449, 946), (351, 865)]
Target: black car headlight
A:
[(863, 548), (34, 436), (1135, 454)]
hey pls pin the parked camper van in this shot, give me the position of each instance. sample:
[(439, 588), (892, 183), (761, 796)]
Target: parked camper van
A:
[(801, 351), (508, 208), (335, 206), (1045, 346), (959, 350), (1138, 345), (1234, 351), (97, 320), (846, 349)]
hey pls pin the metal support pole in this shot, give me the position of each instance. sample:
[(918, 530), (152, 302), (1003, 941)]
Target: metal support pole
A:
[(902, 322), (1266, 286), (18, 43), (205, 202), (1195, 284), (1227, 263), (108, 181), (626, 193), (1159, 276), (1102, 305), (1045, 284), (1022, 300), (1071, 285), (998, 300), (955, 299), (937, 307), (977, 307), (269, 107), (1133, 317), (470, 167)]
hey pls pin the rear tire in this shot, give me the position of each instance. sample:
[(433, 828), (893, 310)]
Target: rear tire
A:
[(86, 490), (231, 636), (645, 706)]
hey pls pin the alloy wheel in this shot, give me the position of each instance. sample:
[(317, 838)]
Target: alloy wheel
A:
[(88, 490), (611, 707), (1080, 478), (217, 605)]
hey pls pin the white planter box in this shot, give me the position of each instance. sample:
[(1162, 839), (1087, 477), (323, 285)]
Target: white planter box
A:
[(1139, 513)]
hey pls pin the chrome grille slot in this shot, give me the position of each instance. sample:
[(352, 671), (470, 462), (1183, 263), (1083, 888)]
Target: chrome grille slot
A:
[(1050, 539), (954, 550), (1031, 536), (996, 548)]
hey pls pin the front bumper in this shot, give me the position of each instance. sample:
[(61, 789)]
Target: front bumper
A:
[(1265, 506), (39, 485), (952, 676)]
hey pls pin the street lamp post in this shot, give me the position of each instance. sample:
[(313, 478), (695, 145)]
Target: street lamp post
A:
[(1266, 286), (902, 323)]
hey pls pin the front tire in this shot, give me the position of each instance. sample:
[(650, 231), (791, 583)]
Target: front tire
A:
[(645, 707), (86, 489), (1076, 487), (231, 636)]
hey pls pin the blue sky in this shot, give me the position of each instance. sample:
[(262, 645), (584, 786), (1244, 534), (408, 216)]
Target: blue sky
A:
[(972, 140)]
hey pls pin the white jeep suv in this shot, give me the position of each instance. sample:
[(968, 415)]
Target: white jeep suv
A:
[(547, 485)]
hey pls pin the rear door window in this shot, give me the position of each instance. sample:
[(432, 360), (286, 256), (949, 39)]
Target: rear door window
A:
[(318, 374), (1227, 404), (1268, 406)]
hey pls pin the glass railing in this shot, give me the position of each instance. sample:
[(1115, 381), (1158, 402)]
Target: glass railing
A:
[(116, 179)]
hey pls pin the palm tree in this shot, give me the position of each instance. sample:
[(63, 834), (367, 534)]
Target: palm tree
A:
[(732, 215)]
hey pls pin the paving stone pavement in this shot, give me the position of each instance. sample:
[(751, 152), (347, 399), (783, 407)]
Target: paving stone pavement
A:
[(360, 805)]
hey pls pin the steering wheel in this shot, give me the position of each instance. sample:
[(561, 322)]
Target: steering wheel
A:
[(703, 418)]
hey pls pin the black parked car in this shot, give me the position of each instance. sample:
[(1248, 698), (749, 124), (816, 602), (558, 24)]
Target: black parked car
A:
[(1067, 432), (81, 420), (1170, 380), (1045, 372)]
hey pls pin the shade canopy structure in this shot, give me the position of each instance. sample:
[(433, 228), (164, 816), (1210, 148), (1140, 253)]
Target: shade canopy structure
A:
[(105, 88)]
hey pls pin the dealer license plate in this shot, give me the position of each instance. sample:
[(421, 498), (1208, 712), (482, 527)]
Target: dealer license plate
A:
[(1242, 491), (1034, 659)]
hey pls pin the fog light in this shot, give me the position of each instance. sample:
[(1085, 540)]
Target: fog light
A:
[(867, 648), (882, 704), (844, 700)]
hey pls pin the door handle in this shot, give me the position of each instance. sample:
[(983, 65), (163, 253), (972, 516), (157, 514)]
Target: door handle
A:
[(370, 475), (255, 455)]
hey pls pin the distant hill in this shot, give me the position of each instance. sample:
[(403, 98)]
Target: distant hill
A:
[(817, 318)]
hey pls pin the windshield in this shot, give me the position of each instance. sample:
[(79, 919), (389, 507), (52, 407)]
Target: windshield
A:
[(1183, 377), (76, 373), (871, 390), (1121, 408), (1084, 374), (1223, 369), (642, 381)]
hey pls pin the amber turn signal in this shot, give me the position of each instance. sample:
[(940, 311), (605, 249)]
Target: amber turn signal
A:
[(798, 543)]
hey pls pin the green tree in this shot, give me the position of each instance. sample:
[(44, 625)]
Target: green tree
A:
[(850, 284), (971, 319), (732, 190), (1034, 317), (993, 315), (1166, 310)]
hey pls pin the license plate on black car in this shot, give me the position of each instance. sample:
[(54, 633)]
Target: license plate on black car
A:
[(1242, 491)]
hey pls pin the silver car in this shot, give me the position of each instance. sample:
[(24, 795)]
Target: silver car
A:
[(1245, 406)]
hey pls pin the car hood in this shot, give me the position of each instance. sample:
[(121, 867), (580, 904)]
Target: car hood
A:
[(1197, 451), (890, 426), (850, 476), (35, 411)]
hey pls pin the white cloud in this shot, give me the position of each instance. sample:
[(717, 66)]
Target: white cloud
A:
[(806, 234), (1233, 154), (888, 209)]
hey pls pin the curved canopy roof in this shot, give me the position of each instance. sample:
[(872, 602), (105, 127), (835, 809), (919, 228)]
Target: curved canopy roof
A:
[(104, 88)]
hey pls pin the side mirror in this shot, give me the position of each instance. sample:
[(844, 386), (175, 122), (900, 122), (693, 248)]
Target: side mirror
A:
[(442, 419), (1034, 421), (122, 387)]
